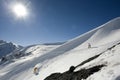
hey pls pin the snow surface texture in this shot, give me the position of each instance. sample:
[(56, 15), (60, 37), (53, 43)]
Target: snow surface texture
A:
[(52, 58)]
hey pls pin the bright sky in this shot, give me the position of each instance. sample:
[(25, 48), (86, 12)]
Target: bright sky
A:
[(53, 20)]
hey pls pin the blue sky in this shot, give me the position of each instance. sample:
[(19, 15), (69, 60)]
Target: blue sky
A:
[(55, 20)]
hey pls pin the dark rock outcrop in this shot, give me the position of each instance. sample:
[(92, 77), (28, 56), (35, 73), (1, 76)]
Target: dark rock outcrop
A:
[(71, 75)]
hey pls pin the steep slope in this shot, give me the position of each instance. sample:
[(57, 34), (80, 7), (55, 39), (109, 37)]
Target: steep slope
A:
[(104, 37), (73, 52), (112, 70), (104, 34), (103, 66)]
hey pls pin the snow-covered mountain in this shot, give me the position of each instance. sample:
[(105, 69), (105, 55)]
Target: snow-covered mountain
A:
[(7, 47), (103, 40), (23, 52)]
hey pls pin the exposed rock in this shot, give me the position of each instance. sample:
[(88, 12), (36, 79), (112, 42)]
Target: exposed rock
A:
[(71, 75)]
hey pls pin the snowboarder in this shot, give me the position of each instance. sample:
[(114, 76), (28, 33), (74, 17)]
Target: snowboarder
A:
[(36, 70)]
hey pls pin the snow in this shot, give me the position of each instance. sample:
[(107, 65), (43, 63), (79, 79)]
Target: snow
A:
[(7, 47), (112, 71), (58, 58)]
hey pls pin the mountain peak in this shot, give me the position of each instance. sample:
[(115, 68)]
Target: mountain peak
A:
[(7, 47)]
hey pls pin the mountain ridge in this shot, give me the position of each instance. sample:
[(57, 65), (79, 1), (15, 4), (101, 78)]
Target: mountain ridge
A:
[(7, 47)]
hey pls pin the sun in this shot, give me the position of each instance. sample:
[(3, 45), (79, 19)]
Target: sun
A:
[(20, 10)]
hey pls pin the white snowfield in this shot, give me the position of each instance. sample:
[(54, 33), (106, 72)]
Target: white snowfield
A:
[(51, 59)]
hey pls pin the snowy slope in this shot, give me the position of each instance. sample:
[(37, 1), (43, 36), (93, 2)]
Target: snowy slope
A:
[(73, 52), (36, 50)]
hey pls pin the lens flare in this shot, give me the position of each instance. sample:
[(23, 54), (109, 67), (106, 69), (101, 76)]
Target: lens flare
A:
[(20, 10)]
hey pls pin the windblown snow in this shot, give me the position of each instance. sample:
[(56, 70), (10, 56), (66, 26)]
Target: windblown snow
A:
[(58, 58)]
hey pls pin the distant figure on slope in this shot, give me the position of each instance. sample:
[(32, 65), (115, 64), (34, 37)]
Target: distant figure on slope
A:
[(89, 45), (36, 70)]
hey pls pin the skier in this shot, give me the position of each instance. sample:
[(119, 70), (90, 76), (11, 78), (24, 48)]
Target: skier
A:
[(36, 68), (89, 45), (36, 71)]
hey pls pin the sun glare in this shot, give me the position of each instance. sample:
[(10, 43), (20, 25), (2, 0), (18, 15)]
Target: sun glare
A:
[(20, 10)]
